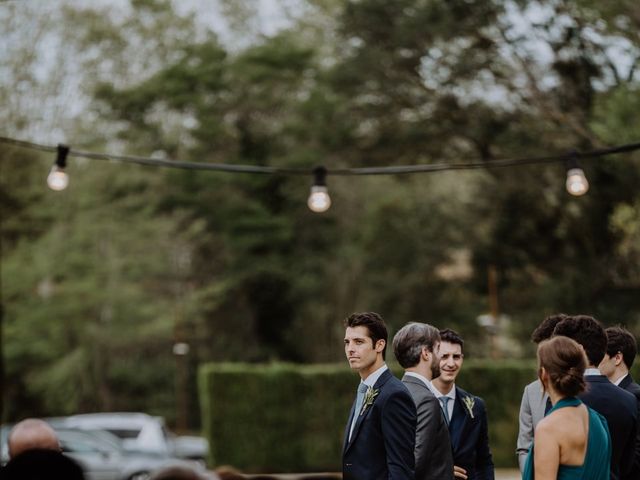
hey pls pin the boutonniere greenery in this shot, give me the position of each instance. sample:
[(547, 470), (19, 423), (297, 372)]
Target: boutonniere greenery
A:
[(469, 402), (369, 397)]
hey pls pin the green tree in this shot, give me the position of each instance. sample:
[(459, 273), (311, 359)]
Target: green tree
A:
[(236, 265)]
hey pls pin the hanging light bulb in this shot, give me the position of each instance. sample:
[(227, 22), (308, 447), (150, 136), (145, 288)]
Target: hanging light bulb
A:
[(577, 183), (58, 178), (319, 200)]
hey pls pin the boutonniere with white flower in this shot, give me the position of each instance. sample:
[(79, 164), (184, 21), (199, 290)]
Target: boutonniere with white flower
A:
[(369, 397), (469, 402)]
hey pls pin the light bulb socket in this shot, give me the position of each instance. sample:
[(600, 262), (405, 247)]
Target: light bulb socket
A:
[(61, 159), (320, 176)]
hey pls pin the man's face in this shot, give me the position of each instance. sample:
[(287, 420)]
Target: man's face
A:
[(450, 361), (359, 349)]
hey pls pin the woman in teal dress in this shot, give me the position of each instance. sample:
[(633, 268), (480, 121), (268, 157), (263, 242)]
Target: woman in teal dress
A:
[(572, 442)]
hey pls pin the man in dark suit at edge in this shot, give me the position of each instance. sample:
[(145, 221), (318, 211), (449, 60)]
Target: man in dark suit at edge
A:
[(466, 414), (616, 405), (618, 359), (380, 433), (416, 346)]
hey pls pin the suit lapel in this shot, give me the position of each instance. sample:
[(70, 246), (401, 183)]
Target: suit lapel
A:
[(458, 422), (361, 418), (346, 431)]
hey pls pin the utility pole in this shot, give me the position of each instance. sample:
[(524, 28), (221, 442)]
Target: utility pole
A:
[(2, 389), (2, 386), (494, 311), (181, 348)]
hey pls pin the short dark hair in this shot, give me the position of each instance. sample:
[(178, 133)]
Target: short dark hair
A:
[(374, 324), (408, 342), (588, 332), (619, 339), (545, 329), (451, 336), (564, 362)]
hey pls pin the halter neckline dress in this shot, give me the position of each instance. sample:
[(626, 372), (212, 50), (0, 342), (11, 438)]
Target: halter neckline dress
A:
[(598, 456)]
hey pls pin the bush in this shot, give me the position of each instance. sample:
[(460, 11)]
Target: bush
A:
[(291, 418)]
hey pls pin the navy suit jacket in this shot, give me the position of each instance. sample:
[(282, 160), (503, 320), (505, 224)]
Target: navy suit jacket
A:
[(620, 409), (470, 437), (383, 439), (630, 386)]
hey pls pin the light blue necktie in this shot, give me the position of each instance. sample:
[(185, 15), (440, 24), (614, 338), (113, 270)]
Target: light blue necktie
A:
[(362, 389), (445, 410)]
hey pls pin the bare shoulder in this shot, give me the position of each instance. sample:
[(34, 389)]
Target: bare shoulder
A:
[(550, 425), (546, 426), (555, 424)]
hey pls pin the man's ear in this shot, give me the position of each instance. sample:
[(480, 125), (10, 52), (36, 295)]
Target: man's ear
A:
[(424, 354), (380, 344), (618, 359)]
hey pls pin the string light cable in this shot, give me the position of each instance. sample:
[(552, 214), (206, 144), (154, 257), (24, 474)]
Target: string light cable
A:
[(576, 181)]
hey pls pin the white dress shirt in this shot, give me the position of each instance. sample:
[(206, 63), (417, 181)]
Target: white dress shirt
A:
[(373, 378), (451, 395)]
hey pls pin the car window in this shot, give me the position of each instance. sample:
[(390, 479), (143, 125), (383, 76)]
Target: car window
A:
[(122, 433), (77, 447), (72, 442)]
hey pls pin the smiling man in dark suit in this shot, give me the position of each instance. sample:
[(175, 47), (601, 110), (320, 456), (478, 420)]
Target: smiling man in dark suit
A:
[(616, 405), (466, 414), (381, 431), (416, 346)]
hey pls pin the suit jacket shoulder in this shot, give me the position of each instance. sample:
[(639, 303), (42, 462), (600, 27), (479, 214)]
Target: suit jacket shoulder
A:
[(630, 386)]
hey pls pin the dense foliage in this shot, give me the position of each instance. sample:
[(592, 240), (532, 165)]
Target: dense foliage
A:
[(100, 281), (291, 418)]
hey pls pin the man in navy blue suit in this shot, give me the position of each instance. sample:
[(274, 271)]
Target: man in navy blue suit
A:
[(381, 432), (618, 359), (466, 414), (616, 405)]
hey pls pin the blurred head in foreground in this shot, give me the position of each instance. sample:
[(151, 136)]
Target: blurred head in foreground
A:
[(31, 434)]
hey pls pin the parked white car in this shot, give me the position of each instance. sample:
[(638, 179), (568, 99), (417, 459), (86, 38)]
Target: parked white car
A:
[(142, 432), (102, 456)]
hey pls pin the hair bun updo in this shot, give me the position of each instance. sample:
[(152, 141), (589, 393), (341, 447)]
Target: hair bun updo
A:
[(564, 361)]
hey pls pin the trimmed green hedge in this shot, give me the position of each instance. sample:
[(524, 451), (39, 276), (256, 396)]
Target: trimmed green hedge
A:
[(291, 418)]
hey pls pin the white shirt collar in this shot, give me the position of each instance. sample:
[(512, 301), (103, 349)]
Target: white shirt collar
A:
[(436, 392), (420, 377), (592, 371), (373, 378)]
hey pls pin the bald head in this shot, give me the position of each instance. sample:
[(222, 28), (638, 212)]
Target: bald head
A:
[(31, 434)]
